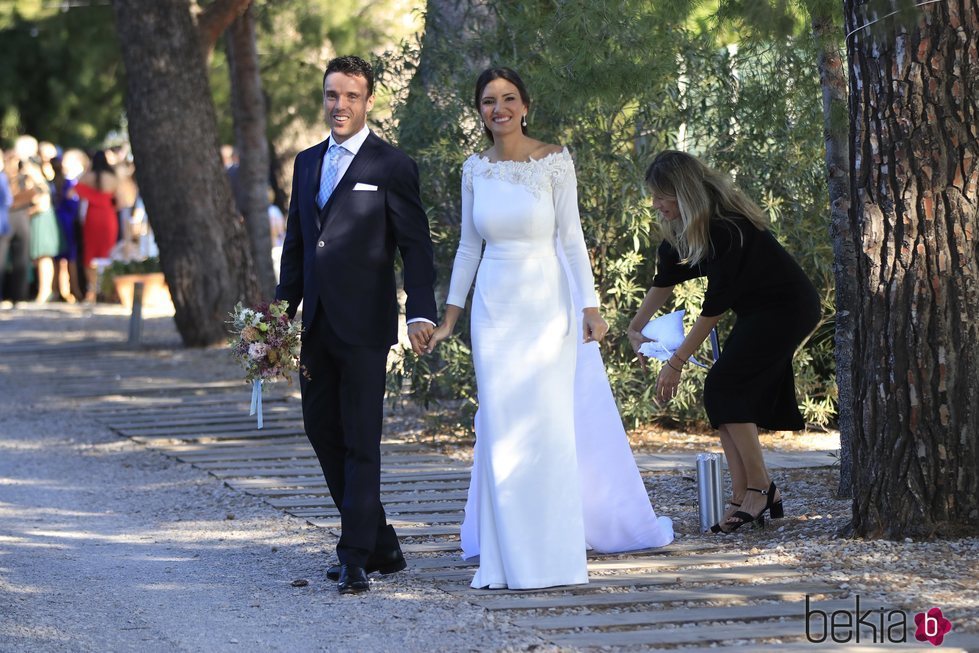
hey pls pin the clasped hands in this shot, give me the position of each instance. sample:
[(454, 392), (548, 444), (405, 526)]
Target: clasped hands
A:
[(420, 334)]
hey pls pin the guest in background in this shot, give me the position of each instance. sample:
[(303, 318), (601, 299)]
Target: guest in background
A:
[(126, 196), (19, 218), (100, 228), (229, 157), (47, 152), (6, 199), (44, 240), (277, 232), (143, 231), (66, 207)]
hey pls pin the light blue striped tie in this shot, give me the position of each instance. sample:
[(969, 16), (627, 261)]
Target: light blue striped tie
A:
[(328, 177)]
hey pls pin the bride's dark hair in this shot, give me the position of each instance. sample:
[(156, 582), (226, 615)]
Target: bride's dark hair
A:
[(511, 76)]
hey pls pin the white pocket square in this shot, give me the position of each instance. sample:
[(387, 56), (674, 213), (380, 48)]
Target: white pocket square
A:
[(360, 186)]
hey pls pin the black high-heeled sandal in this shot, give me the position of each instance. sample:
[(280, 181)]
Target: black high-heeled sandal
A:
[(747, 517), (774, 508), (716, 528)]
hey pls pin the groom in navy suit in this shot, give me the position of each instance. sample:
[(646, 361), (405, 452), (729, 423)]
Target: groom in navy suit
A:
[(354, 201)]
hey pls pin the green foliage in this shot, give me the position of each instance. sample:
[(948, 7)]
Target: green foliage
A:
[(295, 41), (145, 266), (617, 81), (61, 75), (18, 10)]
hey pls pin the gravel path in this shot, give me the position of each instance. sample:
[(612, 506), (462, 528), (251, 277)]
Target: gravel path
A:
[(105, 546)]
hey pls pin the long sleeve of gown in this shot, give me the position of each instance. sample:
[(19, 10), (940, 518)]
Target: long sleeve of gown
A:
[(470, 246), (570, 237)]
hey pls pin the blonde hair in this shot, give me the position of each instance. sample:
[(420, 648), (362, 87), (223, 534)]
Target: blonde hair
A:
[(702, 194)]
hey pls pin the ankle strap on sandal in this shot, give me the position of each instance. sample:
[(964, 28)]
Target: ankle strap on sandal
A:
[(771, 489)]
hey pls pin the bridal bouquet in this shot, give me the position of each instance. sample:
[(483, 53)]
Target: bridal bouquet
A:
[(266, 343)]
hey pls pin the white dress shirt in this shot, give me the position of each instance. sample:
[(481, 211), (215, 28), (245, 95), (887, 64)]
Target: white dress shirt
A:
[(348, 150)]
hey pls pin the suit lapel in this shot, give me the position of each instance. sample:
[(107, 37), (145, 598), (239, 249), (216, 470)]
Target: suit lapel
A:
[(360, 164)]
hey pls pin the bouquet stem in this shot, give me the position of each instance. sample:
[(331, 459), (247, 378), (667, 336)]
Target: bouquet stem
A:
[(257, 401)]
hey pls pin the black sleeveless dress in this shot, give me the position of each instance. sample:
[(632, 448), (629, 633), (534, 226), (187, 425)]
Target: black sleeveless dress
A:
[(777, 307)]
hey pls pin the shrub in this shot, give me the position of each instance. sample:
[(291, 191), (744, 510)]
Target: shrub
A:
[(616, 86)]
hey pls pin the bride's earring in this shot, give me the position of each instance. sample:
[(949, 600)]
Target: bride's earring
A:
[(523, 120)]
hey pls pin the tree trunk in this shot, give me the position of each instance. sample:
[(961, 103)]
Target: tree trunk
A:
[(458, 21), (836, 132), (279, 196), (445, 61), (251, 141), (204, 249), (215, 19), (914, 192)]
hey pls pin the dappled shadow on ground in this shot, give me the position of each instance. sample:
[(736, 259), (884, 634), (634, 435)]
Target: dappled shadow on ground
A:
[(95, 530), (99, 529)]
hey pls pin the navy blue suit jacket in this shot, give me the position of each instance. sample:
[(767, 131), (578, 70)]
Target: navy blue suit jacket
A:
[(343, 256)]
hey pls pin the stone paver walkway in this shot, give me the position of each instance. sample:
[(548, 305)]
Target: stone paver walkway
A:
[(692, 594)]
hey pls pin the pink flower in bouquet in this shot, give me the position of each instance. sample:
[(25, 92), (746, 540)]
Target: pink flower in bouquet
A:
[(258, 350)]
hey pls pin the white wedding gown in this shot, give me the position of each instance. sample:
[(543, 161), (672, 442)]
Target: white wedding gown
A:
[(552, 473)]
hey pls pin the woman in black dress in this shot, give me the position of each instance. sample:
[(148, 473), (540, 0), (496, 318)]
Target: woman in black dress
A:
[(712, 229)]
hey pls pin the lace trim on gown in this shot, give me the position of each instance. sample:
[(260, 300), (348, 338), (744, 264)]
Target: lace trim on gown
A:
[(538, 175)]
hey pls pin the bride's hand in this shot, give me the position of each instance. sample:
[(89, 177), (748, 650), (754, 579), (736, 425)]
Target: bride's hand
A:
[(441, 332), (593, 325)]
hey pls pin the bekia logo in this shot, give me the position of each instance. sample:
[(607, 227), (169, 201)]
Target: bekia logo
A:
[(878, 625), (932, 626)]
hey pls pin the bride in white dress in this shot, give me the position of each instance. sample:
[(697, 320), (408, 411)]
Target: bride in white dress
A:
[(552, 473)]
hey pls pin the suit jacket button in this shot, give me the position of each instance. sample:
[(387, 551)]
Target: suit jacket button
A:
[(321, 244)]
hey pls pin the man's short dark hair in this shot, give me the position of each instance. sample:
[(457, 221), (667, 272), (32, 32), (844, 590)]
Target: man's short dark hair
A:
[(351, 65)]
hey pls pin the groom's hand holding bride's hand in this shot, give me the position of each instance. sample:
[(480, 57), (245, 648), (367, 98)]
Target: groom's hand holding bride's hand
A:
[(593, 325), (441, 332), (444, 330), (420, 334)]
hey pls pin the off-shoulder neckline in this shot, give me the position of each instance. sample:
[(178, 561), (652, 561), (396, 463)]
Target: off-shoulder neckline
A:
[(563, 150)]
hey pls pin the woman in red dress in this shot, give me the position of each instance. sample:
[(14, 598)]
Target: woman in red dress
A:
[(100, 229)]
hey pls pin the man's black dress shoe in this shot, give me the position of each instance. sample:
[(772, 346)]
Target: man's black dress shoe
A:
[(386, 563), (353, 580)]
